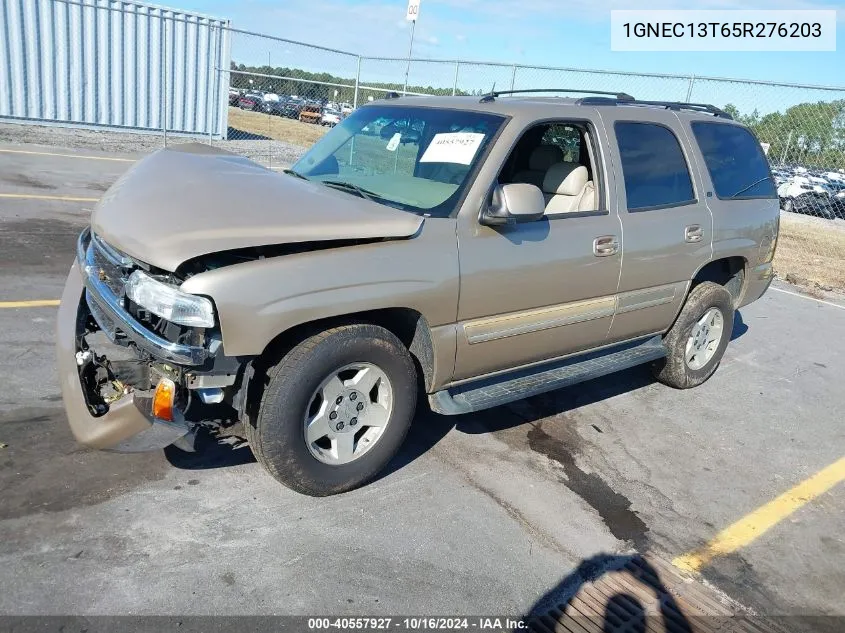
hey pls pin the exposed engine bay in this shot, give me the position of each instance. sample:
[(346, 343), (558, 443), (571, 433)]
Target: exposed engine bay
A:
[(109, 372)]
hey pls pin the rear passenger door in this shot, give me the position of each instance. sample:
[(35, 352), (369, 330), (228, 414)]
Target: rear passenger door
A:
[(666, 224), (744, 200)]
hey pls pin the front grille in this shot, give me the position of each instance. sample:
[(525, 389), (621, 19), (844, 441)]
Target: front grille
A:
[(112, 268)]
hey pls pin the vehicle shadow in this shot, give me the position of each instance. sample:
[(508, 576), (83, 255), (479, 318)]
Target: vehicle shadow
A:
[(222, 447), (243, 135), (429, 428), (210, 451), (621, 600), (740, 327)]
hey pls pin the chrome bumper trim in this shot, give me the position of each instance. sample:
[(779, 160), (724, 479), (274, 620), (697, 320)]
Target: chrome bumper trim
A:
[(111, 316)]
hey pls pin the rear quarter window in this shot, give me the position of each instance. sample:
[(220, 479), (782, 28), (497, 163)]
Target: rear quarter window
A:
[(735, 160), (653, 166)]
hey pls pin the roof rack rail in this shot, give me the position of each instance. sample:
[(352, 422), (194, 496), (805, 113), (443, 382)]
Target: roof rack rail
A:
[(669, 105), (491, 96)]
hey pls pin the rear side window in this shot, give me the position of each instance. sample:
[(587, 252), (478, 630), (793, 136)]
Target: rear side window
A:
[(735, 160), (653, 165)]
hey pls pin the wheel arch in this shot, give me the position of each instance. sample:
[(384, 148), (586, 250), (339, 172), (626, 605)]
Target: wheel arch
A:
[(408, 325), (730, 272)]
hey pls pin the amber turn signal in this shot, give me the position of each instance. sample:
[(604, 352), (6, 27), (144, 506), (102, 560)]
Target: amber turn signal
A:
[(163, 399)]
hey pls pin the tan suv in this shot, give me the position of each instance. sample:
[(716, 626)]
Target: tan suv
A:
[(475, 252)]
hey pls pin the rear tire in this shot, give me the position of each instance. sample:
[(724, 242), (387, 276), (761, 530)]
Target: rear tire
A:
[(297, 393), (698, 339)]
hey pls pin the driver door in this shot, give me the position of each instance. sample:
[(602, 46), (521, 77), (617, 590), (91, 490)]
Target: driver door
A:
[(538, 290)]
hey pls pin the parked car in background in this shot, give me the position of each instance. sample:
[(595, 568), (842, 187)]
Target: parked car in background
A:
[(249, 103), (311, 114), (234, 96), (292, 107), (251, 100), (331, 117), (837, 198), (801, 195)]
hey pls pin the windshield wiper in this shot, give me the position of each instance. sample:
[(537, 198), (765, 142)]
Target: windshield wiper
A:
[(753, 184), (348, 186), (295, 173)]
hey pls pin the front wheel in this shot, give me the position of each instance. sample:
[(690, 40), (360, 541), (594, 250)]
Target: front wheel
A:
[(335, 409), (698, 339)]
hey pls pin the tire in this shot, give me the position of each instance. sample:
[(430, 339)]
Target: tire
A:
[(277, 431), (676, 370)]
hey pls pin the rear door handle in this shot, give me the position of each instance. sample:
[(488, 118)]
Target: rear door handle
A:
[(605, 246), (693, 233)]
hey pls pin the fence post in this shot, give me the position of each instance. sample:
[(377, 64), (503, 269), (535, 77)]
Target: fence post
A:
[(689, 88), (357, 82), (786, 148), (513, 77), (209, 89), (164, 79), (455, 85)]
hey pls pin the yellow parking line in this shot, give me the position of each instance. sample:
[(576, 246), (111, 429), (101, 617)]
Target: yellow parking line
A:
[(755, 524), (110, 158), (36, 303), (32, 196)]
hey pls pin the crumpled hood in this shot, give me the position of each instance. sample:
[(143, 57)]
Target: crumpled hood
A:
[(190, 200)]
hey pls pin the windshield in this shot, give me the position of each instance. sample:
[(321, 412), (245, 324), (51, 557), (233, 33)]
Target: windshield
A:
[(412, 158)]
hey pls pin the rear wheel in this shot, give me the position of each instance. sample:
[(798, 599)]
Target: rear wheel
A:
[(698, 339), (335, 409)]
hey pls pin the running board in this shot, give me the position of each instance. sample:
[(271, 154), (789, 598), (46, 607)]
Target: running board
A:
[(504, 388)]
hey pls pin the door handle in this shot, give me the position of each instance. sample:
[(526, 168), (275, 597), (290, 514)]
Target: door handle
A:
[(693, 233), (605, 246)]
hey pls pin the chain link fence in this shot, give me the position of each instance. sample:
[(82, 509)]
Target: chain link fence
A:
[(270, 98)]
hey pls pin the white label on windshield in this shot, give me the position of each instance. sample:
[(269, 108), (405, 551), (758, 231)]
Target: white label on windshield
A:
[(453, 147), (394, 142)]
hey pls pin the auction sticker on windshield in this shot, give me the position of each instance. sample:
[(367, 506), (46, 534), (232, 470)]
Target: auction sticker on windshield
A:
[(453, 147)]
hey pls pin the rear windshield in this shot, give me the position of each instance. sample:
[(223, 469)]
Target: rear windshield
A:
[(736, 162), (416, 159)]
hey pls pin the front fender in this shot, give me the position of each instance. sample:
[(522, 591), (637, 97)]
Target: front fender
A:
[(258, 300)]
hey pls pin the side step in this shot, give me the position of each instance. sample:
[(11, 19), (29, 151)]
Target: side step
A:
[(492, 392)]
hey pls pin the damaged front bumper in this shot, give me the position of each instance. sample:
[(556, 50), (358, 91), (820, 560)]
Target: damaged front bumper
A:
[(109, 363), (124, 426)]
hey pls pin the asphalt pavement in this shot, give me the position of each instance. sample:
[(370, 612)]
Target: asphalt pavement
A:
[(484, 513)]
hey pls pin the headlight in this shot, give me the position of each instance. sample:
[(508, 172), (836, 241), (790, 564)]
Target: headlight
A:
[(168, 302)]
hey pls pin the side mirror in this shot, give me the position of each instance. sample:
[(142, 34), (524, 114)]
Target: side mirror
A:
[(514, 202)]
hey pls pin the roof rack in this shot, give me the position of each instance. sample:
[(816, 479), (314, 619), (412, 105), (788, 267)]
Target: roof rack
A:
[(619, 96), (614, 98), (669, 105)]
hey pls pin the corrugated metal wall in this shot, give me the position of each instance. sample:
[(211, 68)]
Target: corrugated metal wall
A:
[(113, 63)]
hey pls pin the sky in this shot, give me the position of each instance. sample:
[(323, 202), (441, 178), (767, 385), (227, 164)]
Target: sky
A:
[(568, 33)]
